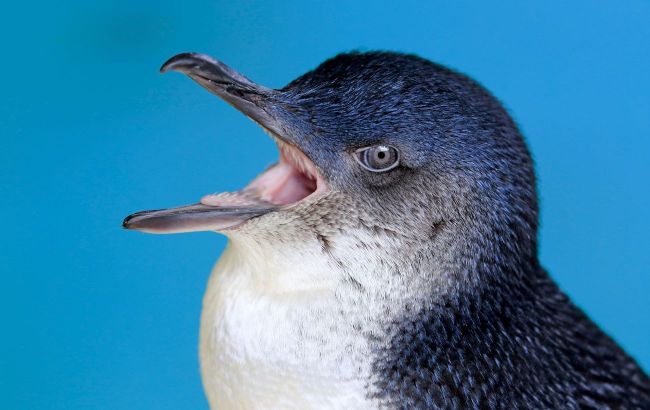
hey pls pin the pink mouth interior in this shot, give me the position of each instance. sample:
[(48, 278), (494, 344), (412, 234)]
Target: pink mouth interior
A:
[(288, 182)]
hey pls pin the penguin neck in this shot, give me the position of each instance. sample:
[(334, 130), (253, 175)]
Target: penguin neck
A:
[(400, 268), (377, 269)]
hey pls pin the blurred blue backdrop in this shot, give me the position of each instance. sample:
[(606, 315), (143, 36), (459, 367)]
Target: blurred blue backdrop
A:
[(97, 317)]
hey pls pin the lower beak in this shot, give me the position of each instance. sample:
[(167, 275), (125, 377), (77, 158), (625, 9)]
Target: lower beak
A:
[(192, 218)]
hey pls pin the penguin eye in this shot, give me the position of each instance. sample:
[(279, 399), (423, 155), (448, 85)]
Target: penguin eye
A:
[(378, 158)]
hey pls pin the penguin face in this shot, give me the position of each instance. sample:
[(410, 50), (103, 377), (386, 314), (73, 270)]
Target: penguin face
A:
[(381, 142)]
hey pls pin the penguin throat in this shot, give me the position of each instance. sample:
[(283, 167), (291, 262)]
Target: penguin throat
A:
[(289, 181)]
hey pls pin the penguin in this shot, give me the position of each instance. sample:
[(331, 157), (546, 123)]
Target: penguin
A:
[(389, 258)]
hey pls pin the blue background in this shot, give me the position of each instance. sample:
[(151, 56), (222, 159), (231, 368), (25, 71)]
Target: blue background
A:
[(97, 317)]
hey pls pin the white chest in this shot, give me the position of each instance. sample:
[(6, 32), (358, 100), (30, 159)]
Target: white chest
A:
[(269, 347)]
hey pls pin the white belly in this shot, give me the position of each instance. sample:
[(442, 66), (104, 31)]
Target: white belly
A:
[(270, 346)]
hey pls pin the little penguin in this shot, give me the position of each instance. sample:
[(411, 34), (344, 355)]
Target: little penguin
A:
[(389, 258)]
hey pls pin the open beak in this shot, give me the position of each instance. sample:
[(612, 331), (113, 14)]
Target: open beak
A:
[(291, 180)]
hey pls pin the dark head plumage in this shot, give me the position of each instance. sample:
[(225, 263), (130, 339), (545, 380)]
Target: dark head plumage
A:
[(461, 154)]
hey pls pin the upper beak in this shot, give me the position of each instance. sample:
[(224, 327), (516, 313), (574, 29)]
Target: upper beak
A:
[(263, 105)]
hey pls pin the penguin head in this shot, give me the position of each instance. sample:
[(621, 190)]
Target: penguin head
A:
[(379, 152)]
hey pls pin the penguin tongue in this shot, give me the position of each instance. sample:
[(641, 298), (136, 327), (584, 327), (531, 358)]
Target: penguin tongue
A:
[(286, 183)]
